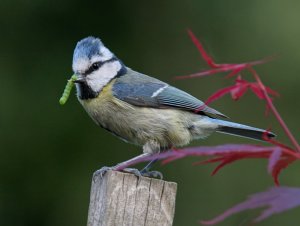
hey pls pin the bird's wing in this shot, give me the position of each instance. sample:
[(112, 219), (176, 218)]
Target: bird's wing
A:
[(141, 90)]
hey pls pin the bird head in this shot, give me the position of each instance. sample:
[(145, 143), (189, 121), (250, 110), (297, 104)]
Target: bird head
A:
[(95, 66)]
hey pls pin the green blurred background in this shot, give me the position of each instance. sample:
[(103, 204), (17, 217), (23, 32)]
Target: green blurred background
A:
[(48, 153)]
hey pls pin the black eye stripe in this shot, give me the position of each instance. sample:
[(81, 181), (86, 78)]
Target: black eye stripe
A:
[(95, 66)]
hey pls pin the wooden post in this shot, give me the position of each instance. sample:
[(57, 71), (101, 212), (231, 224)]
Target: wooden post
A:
[(120, 199)]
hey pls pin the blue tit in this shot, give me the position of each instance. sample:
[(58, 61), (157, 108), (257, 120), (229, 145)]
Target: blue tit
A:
[(141, 109)]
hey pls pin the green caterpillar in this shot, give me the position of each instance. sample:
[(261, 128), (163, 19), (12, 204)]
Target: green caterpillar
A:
[(67, 90)]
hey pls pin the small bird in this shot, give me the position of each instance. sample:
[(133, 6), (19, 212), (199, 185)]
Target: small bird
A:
[(141, 109)]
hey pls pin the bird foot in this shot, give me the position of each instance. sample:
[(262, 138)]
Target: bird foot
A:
[(136, 172), (144, 173)]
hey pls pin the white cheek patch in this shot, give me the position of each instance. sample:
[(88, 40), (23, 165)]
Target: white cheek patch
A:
[(100, 78), (80, 65)]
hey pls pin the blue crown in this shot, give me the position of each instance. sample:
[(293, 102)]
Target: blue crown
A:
[(87, 47)]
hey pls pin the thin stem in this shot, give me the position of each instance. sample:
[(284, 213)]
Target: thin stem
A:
[(274, 110)]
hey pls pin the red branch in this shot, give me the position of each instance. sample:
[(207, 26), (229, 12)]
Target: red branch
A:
[(241, 86), (279, 155), (274, 110)]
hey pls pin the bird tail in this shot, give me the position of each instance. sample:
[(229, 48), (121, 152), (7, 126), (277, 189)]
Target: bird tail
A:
[(242, 130)]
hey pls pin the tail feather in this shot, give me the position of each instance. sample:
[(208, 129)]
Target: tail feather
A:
[(242, 130)]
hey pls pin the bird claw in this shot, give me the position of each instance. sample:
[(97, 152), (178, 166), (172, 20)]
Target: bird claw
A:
[(144, 173), (155, 174), (103, 171), (134, 171)]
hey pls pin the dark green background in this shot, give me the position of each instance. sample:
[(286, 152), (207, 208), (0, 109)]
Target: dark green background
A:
[(48, 153)]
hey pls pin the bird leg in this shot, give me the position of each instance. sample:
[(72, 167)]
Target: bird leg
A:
[(149, 149), (122, 167)]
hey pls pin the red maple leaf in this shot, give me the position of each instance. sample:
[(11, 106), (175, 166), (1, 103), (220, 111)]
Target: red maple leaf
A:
[(279, 155), (234, 69), (276, 199), (239, 89)]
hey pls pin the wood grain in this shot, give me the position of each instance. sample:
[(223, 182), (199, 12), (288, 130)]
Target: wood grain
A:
[(124, 199)]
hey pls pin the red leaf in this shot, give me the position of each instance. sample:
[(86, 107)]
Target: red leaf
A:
[(272, 92), (274, 158), (204, 54), (240, 90), (257, 91), (217, 68), (279, 166), (220, 93), (225, 162), (233, 73), (276, 199), (256, 88), (280, 156), (202, 74), (226, 154), (237, 91), (221, 68)]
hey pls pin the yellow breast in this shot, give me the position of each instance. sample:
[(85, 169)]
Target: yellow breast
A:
[(139, 125), (104, 106)]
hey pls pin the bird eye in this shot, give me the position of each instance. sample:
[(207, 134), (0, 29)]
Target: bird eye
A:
[(95, 66)]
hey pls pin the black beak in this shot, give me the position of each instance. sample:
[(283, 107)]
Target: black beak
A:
[(79, 81)]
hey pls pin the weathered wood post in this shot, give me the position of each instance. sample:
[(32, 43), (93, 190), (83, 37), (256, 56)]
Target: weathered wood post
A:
[(120, 199)]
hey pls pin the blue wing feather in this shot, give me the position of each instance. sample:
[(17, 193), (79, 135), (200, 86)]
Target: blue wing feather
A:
[(139, 89)]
